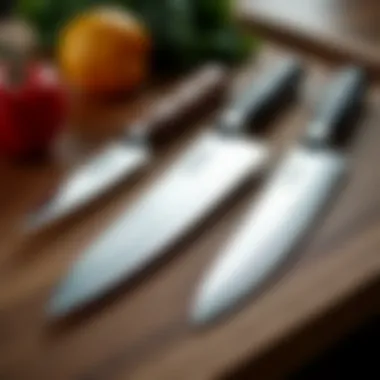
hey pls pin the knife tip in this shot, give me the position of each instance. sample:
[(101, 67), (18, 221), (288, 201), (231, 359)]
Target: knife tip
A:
[(216, 298), (62, 302), (56, 308), (31, 224), (37, 220), (199, 315), (204, 311)]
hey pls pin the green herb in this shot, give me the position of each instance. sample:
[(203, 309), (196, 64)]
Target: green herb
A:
[(185, 32)]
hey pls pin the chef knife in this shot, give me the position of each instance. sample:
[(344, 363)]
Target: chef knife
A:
[(121, 159), (210, 169), (288, 204)]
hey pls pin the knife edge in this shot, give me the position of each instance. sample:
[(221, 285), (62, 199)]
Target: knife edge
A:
[(267, 234), (243, 159), (83, 185), (213, 167), (191, 98), (288, 204)]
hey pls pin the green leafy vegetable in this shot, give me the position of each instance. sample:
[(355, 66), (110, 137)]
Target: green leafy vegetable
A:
[(185, 32)]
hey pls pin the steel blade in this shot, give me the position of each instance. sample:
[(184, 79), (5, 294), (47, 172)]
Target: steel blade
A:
[(213, 167), (279, 219), (94, 178)]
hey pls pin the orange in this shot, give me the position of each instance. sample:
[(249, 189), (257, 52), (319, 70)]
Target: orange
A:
[(105, 50)]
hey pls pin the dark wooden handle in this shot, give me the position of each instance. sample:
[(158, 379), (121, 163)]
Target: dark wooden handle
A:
[(336, 115), (189, 100), (264, 97)]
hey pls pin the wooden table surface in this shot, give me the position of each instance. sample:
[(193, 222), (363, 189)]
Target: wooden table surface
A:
[(140, 331)]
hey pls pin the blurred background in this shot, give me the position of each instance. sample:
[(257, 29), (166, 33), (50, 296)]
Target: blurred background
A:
[(97, 99)]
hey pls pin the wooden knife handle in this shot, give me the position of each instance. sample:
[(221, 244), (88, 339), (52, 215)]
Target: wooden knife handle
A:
[(191, 99)]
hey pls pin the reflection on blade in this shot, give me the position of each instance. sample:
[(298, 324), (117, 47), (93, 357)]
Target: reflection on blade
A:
[(210, 170), (273, 226), (90, 180)]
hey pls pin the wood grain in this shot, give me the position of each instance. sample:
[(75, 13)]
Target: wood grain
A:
[(140, 331), (301, 297)]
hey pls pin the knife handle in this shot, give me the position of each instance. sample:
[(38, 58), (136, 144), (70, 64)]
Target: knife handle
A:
[(190, 99), (264, 97), (339, 108)]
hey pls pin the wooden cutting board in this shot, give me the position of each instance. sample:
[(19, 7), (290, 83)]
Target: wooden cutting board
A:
[(340, 30), (140, 331)]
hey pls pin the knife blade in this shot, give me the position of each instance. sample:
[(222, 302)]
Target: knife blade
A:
[(120, 160), (287, 205), (215, 165)]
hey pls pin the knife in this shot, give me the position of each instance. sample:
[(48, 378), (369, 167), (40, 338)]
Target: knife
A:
[(121, 159), (215, 165), (288, 203)]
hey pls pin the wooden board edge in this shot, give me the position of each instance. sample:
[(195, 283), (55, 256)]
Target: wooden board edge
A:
[(326, 47)]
